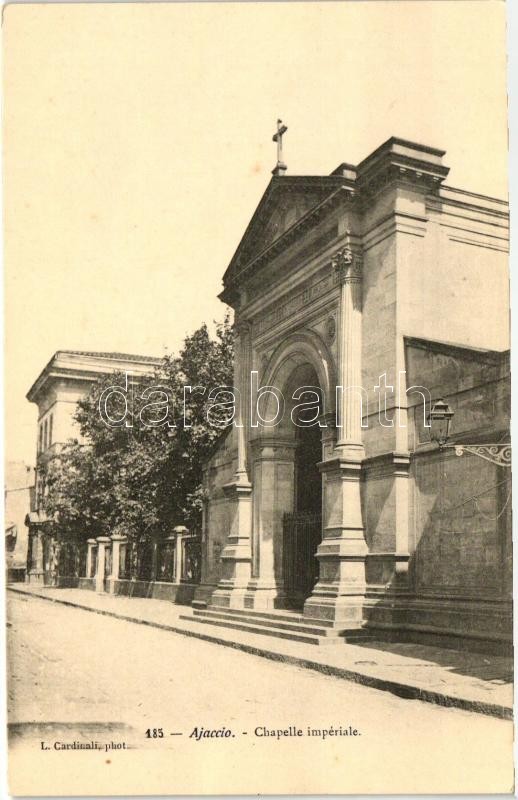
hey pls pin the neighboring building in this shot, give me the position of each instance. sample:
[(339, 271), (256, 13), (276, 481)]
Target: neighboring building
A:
[(18, 493), (341, 280), (66, 379)]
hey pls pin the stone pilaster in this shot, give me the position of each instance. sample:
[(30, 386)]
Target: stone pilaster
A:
[(387, 474), (237, 555), (340, 591), (274, 459)]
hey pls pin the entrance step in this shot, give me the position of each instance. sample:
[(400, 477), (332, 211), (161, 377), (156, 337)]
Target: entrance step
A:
[(283, 625)]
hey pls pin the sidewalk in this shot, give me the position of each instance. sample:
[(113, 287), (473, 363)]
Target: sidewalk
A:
[(470, 681)]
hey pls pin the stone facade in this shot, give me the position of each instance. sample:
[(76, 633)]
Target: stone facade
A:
[(356, 279)]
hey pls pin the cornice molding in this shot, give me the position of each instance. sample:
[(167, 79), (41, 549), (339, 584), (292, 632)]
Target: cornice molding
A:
[(341, 195)]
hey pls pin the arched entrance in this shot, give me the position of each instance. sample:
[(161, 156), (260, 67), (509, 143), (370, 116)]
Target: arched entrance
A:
[(287, 485), (302, 526)]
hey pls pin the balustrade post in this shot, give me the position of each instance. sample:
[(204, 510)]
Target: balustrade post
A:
[(116, 540), (102, 541), (91, 543)]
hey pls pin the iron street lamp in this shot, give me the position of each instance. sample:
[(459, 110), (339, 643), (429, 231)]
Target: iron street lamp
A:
[(439, 420)]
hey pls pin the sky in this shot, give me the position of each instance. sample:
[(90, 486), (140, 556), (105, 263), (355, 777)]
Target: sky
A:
[(138, 143)]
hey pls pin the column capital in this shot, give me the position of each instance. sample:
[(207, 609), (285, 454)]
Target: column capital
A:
[(91, 541), (118, 537), (347, 265), (103, 540), (242, 326)]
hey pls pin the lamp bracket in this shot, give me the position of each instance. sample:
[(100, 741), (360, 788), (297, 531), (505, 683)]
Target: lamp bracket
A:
[(499, 454)]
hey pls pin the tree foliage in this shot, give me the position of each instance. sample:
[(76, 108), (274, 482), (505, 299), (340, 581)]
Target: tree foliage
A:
[(144, 476)]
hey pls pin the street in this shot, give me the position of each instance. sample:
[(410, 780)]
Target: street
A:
[(80, 676)]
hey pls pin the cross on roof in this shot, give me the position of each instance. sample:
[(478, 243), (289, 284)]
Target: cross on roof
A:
[(277, 137)]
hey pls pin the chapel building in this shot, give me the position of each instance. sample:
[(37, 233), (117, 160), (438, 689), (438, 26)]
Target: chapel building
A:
[(383, 280)]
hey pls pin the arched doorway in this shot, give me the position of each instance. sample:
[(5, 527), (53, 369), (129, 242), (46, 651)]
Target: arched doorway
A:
[(302, 528)]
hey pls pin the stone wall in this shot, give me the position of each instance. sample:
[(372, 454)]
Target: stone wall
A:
[(461, 539), (458, 588)]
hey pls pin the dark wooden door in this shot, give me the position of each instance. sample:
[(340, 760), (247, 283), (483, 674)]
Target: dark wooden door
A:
[(302, 533)]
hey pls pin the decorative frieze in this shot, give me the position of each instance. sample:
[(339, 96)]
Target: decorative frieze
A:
[(308, 292)]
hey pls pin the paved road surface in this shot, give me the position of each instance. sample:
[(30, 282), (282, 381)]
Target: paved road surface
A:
[(76, 675)]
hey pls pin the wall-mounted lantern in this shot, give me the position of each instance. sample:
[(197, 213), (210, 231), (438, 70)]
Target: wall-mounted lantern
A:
[(439, 419)]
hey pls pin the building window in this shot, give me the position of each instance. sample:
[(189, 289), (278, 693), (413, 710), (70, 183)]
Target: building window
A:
[(50, 429), (45, 434)]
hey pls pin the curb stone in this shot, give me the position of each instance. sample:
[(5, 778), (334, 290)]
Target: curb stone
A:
[(407, 691)]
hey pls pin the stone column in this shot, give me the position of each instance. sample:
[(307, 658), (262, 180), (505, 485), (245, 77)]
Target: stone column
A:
[(180, 532), (91, 543), (102, 541), (116, 540), (242, 383), (347, 266), (237, 555), (340, 591)]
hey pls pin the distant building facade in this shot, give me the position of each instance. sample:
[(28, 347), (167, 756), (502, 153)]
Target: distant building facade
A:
[(66, 379), (377, 275), (19, 499)]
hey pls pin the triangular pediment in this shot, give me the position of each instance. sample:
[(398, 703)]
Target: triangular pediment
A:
[(284, 203)]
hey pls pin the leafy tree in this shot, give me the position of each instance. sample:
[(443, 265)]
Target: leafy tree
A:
[(144, 476)]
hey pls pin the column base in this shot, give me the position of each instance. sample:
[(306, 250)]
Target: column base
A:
[(233, 585), (339, 594), (230, 596), (265, 595), (344, 612), (237, 555), (255, 595)]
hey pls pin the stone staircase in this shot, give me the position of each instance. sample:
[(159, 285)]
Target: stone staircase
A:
[(281, 624)]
